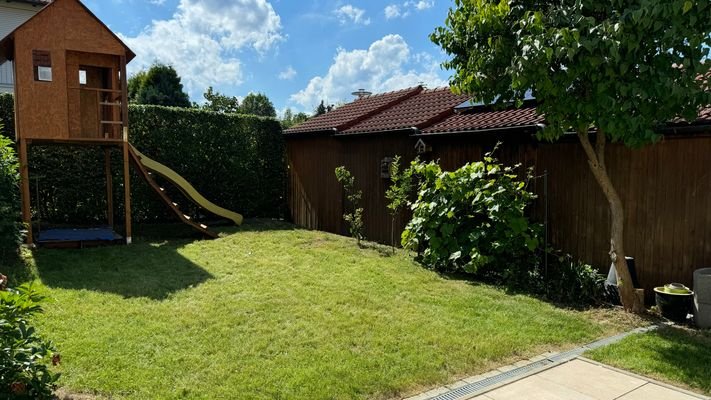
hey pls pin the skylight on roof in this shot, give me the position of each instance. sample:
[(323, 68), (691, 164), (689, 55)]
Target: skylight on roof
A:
[(468, 104)]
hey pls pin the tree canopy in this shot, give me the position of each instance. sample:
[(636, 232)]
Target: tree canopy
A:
[(218, 102), (290, 119), (160, 85), (621, 66), (258, 104), (322, 108)]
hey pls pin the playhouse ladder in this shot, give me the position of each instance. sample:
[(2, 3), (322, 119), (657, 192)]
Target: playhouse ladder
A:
[(164, 197)]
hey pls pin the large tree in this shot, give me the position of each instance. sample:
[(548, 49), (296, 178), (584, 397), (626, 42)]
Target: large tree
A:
[(218, 102), (290, 119), (258, 104), (609, 71), (322, 108), (160, 85)]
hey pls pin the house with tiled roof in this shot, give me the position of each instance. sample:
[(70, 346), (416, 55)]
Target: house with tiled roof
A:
[(14, 13), (438, 125)]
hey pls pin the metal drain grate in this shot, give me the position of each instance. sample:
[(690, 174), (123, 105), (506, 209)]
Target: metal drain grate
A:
[(475, 387), (491, 381)]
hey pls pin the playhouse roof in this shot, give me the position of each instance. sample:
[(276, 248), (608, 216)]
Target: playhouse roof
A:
[(33, 2), (7, 43)]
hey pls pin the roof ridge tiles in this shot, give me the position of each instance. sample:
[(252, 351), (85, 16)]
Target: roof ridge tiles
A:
[(407, 94), (355, 112), (370, 96)]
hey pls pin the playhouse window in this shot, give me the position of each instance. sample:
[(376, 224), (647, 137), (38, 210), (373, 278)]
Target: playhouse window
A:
[(42, 61), (82, 77)]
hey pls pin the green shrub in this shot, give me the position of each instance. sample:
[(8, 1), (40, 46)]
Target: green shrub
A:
[(472, 220), (570, 281), (10, 228), (236, 161), (354, 212), (24, 356), (397, 194)]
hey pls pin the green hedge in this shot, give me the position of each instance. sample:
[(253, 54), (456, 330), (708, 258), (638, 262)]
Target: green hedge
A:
[(236, 161)]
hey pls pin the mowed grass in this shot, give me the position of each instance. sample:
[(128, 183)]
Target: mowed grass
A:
[(272, 312), (674, 355)]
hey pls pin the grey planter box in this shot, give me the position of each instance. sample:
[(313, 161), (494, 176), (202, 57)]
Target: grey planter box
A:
[(702, 297)]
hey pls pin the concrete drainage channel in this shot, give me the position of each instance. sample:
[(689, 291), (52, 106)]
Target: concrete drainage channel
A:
[(471, 389)]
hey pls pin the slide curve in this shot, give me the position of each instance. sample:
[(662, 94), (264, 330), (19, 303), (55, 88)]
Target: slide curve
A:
[(187, 188)]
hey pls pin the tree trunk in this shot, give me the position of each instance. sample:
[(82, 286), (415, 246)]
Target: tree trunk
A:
[(392, 233), (596, 160)]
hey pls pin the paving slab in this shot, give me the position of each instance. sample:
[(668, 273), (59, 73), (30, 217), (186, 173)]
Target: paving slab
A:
[(652, 391), (582, 379), (593, 380), (534, 388)]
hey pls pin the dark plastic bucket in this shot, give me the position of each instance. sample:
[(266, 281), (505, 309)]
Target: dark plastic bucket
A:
[(674, 307)]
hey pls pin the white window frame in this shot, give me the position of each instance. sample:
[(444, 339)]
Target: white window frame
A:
[(44, 74)]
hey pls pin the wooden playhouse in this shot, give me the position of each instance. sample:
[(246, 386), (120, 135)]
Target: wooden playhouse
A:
[(71, 89)]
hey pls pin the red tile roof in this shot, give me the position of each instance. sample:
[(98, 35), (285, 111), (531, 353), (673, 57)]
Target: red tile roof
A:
[(352, 113), (475, 120), (419, 111), (704, 115), (431, 111)]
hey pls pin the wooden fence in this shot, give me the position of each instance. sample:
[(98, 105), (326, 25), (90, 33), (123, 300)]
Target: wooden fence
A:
[(666, 190)]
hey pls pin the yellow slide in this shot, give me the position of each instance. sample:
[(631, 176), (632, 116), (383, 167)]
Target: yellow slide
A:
[(187, 188)]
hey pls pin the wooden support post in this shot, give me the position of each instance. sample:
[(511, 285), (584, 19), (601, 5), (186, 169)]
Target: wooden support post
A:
[(127, 188), (126, 172), (124, 93), (109, 187), (25, 192)]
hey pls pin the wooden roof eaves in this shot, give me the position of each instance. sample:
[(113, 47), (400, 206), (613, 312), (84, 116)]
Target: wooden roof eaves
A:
[(302, 134)]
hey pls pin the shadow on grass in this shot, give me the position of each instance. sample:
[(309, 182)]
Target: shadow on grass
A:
[(16, 269), (686, 352), (176, 230), (381, 249), (147, 270), (152, 267)]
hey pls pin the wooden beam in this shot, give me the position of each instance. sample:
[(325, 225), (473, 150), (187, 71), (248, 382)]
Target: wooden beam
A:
[(77, 141), (109, 187), (127, 188), (25, 192), (126, 159), (124, 92)]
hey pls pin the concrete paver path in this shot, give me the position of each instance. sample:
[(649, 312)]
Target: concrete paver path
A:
[(585, 380)]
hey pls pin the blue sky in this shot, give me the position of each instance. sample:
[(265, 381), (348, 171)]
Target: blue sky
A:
[(295, 51)]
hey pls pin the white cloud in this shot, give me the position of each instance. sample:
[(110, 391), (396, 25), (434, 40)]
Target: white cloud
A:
[(403, 10), (157, 2), (392, 11), (386, 65), (348, 13), (288, 74), (202, 40), (422, 4)]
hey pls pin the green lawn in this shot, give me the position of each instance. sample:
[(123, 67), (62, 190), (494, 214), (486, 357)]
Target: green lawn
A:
[(273, 312), (674, 355)]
